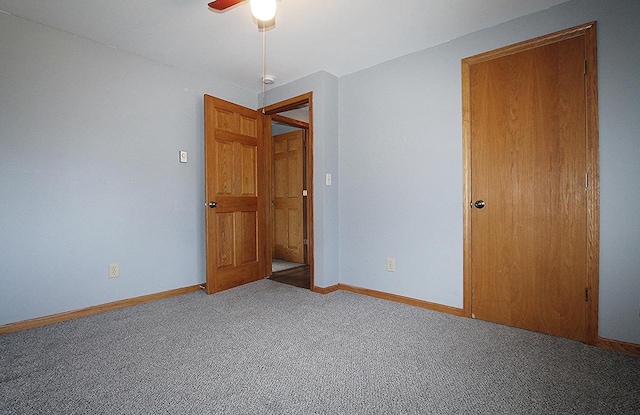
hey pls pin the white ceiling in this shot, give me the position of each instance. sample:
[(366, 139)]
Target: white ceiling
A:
[(339, 36)]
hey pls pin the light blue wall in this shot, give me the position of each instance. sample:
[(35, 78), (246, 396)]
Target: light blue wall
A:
[(89, 140), (325, 158), (282, 129), (89, 172), (400, 153)]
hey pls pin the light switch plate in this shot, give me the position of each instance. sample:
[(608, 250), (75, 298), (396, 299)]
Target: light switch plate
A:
[(328, 179), (183, 156)]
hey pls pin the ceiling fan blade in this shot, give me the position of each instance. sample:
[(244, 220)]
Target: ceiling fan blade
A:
[(223, 4)]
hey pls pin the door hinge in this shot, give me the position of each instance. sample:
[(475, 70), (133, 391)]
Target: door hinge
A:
[(305, 241), (304, 192), (586, 180), (586, 294), (585, 68)]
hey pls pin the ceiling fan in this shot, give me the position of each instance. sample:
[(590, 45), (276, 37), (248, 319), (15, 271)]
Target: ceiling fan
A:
[(263, 10)]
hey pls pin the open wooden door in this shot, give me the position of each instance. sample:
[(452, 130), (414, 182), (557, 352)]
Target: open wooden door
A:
[(234, 189), (288, 197)]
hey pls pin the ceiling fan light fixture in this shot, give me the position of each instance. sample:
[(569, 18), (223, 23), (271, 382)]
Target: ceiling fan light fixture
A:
[(263, 10)]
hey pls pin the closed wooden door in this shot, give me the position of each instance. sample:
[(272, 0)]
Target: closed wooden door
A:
[(529, 188), (234, 189), (288, 198)]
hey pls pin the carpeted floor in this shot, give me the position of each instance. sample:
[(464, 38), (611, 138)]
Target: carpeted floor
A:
[(269, 348), (278, 265)]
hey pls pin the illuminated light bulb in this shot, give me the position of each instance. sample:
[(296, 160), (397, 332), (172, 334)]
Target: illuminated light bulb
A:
[(263, 10)]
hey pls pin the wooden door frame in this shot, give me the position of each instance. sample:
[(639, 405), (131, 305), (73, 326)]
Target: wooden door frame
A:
[(271, 113), (588, 30)]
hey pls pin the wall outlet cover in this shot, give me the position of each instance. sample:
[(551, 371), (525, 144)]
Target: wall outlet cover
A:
[(114, 270), (391, 264)]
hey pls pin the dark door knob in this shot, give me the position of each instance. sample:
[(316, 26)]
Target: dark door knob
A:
[(479, 204), (213, 204)]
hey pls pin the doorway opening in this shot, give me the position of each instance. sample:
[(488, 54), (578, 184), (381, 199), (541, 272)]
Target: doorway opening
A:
[(289, 252)]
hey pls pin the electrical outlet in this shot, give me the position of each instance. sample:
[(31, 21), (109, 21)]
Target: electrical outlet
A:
[(391, 264), (114, 270)]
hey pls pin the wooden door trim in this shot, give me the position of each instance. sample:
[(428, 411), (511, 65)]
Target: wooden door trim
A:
[(267, 173), (271, 113), (588, 30), (289, 121), (290, 104)]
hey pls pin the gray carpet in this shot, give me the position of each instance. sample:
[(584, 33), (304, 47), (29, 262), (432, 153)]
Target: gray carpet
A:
[(268, 348), (278, 265)]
